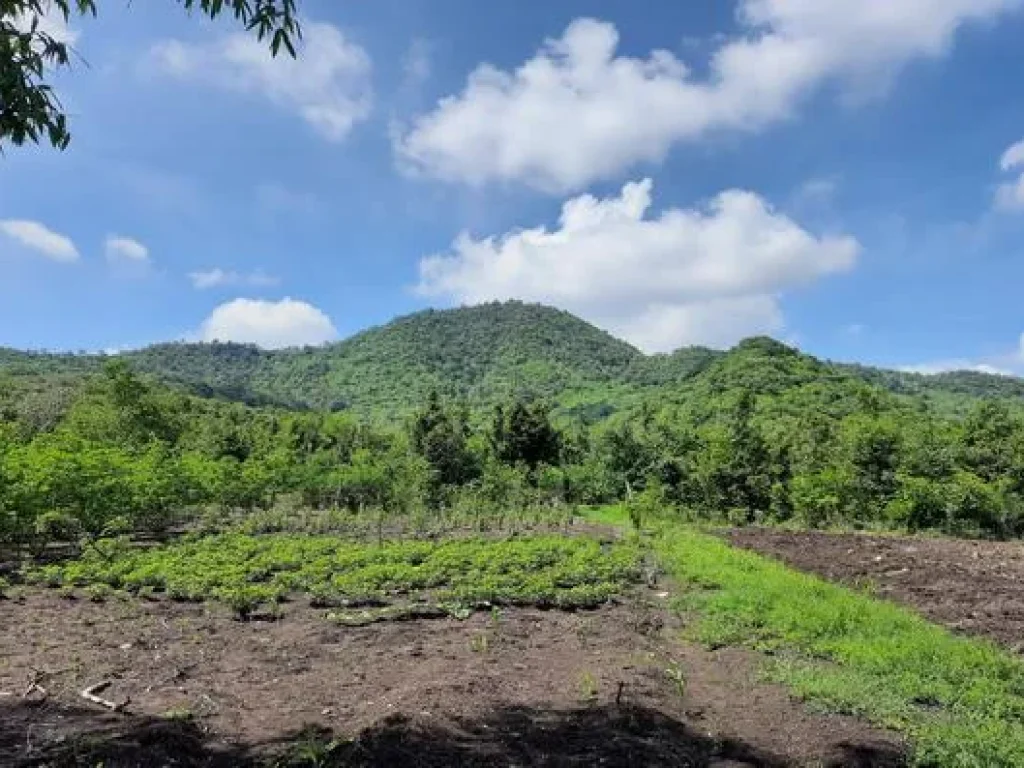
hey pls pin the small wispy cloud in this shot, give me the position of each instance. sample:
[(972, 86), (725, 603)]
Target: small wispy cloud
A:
[(958, 364), (41, 239), (218, 278), (120, 249), (1008, 363), (816, 193), (416, 65), (277, 198), (1010, 194)]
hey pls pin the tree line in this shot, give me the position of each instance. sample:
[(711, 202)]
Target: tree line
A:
[(126, 454)]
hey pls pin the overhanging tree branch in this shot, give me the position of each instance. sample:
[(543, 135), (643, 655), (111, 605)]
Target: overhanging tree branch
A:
[(29, 49)]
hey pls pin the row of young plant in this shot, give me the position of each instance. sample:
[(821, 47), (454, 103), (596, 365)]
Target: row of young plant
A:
[(247, 572)]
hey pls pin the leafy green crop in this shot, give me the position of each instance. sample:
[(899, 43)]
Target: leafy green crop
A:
[(248, 572)]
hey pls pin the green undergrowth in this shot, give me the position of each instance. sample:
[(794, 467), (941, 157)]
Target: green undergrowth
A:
[(959, 700), (360, 581)]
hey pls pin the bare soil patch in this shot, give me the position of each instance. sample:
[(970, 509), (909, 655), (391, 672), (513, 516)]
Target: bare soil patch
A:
[(975, 587), (523, 687)]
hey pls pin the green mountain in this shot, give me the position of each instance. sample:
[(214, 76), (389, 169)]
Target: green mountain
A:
[(480, 353), (483, 354)]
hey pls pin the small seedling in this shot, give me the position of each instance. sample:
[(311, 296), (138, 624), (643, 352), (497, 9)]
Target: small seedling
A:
[(457, 610), (147, 593), (179, 715), (677, 675), (98, 593), (588, 687), (242, 602), (479, 643)]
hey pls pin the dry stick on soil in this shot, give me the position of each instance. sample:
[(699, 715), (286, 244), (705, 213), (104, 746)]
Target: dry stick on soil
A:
[(35, 682), (33, 685), (89, 694)]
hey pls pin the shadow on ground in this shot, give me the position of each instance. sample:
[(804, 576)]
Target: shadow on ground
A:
[(49, 735)]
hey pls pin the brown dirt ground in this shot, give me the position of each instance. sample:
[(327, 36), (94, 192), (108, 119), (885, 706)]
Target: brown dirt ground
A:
[(974, 587), (532, 688)]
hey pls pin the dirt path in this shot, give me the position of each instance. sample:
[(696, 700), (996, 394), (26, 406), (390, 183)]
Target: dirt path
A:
[(526, 687), (976, 587)]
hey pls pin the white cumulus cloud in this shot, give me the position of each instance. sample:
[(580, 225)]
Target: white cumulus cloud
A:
[(579, 111), (120, 249), (709, 275), (41, 239), (270, 324), (327, 84), (218, 278)]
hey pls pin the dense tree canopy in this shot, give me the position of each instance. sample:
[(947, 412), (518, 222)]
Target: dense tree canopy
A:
[(476, 412), (759, 434), (30, 49)]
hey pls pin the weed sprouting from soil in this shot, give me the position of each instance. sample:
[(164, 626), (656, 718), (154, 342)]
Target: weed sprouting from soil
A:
[(479, 643), (588, 687), (677, 676)]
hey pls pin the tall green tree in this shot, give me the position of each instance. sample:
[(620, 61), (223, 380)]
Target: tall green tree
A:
[(872, 446), (440, 435), (744, 476), (523, 434)]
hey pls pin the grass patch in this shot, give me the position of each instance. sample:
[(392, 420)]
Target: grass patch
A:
[(248, 572), (961, 701), (609, 514)]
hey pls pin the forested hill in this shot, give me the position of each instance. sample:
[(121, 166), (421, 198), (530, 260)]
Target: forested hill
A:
[(480, 353), (485, 354)]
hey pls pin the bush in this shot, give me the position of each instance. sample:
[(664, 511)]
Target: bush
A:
[(821, 497), (974, 505), (919, 504)]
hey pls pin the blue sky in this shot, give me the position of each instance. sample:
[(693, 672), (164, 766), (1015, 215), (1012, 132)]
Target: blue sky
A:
[(841, 174)]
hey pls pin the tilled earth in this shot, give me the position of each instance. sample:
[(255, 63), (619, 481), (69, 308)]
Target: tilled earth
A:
[(974, 587), (523, 687)]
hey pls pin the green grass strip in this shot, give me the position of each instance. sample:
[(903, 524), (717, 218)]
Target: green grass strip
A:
[(960, 700)]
